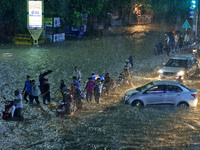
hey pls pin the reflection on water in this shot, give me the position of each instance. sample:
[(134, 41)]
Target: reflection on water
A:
[(108, 125)]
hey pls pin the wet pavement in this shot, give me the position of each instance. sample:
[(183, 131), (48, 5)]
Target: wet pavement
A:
[(110, 124)]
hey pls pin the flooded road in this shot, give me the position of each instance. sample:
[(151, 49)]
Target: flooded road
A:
[(110, 124)]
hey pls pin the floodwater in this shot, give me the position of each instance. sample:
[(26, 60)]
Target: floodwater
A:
[(110, 124)]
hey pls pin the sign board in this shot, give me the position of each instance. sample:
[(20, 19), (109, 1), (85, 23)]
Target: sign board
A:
[(59, 37), (191, 13), (35, 14), (48, 22), (186, 24), (57, 22), (35, 17)]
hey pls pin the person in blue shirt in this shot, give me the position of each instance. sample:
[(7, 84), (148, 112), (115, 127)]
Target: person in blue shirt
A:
[(75, 82), (27, 89), (77, 96)]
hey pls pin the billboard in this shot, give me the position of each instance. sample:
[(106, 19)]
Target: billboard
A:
[(48, 22), (59, 37), (57, 22), (35, 14), (35, 18)]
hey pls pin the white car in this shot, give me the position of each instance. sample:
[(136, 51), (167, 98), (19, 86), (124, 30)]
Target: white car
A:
[(184, 65), (162, 93)]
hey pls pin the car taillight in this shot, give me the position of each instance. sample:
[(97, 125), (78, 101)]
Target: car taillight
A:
[(194, 95)]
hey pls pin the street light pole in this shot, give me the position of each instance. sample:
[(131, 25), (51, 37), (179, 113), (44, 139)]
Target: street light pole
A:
[(197, 14), (194, 7)]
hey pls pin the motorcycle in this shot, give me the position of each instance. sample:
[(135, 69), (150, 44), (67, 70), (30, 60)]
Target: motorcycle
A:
[(195, 49)]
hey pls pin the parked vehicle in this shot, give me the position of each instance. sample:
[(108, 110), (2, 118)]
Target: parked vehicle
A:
[(162, 93), (181, 65)]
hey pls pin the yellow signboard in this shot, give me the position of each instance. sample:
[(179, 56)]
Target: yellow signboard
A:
[(35, 18)]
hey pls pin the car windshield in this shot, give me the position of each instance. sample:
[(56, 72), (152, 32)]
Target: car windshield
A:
[(144, 87), (177, 63)]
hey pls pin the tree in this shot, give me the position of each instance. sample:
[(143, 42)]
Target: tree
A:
[(13, 15), (170, 9)]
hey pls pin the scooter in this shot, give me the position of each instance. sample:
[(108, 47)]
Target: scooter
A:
[(195, 49), (7, 113)]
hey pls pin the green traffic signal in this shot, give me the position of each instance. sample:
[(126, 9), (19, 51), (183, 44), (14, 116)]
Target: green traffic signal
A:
[(193, 3)]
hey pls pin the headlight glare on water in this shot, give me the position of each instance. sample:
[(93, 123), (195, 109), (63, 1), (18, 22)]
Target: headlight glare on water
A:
[(180, 73)]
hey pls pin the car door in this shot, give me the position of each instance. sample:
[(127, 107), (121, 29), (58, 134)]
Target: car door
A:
[(173, 94), (155, 95)]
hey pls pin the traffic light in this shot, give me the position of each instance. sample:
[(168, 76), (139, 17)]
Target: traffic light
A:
[(193, 4)]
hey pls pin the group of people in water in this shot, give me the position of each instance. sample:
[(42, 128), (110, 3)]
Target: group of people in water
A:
[(174, 41), (70, 99)]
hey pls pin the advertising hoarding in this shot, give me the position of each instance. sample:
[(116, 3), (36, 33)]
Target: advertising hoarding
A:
[(48, 22), (35, 14), (35, 18), (59, 37), (57, 22)]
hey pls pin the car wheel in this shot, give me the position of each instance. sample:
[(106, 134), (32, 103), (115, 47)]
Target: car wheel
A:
[(183, 104), (137, 103)]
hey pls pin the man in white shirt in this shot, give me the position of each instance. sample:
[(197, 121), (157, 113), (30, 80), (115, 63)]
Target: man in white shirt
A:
[(98, 90), (18, 102), (35, 92), (77, 74)]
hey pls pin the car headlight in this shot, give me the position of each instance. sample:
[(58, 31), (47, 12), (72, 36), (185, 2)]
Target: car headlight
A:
[(180, 73), (194, 50), (160, 71)]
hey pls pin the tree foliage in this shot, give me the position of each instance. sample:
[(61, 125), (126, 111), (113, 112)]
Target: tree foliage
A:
[(13, 13)]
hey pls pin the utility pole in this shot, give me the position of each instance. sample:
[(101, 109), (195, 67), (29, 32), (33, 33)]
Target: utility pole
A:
[(197, 16)]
